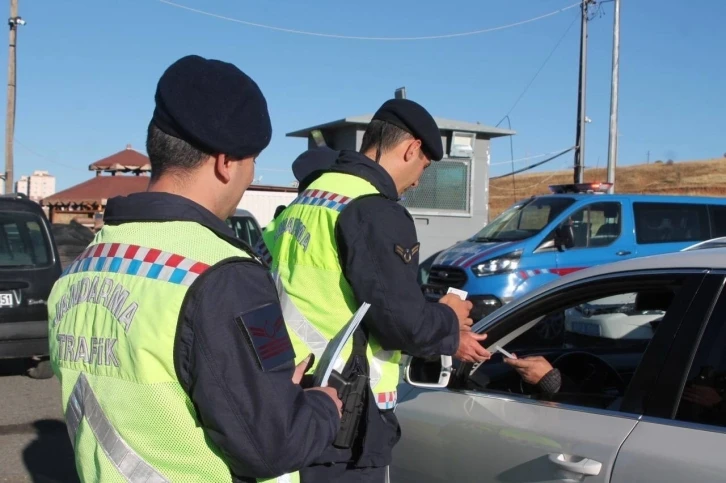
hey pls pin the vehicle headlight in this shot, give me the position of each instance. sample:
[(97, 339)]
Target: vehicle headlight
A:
[(495, 266)]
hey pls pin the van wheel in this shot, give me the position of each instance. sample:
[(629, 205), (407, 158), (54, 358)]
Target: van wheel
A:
[(42, 370)]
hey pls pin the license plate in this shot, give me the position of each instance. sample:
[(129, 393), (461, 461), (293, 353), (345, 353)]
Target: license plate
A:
[(7, 300)]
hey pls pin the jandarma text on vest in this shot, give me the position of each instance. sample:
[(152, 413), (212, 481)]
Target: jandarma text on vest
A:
[(101, 351), (296, 228), (92, 290)]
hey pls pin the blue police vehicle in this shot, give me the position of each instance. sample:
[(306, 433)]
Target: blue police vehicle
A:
[(542, 238)]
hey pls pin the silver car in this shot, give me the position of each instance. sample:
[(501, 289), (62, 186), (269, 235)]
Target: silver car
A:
[(645, 408)]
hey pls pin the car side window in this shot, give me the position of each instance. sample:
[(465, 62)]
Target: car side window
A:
[(596, 225), (607, 330), (703, 399)]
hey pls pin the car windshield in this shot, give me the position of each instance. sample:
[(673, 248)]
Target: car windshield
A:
[(524, 220), (23, 241)]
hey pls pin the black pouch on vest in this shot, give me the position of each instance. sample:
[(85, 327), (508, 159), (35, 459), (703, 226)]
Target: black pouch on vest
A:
[(378, 431)]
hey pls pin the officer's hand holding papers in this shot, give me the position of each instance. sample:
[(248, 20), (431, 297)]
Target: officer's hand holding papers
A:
[(352, 390), (470, 348), (335, 347), (300, 371)]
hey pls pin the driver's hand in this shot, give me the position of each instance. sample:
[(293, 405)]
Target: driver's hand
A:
[(702, 395), (531, 369)]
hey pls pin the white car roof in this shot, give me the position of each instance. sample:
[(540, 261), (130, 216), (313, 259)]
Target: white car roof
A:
[(714, 259), (712, 243)]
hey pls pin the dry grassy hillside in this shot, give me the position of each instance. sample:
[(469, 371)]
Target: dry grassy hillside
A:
[(706, 178)]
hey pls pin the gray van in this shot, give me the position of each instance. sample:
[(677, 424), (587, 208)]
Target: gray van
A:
[(29, 266)]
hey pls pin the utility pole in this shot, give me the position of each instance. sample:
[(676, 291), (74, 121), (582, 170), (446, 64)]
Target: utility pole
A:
[(648, 162), (13, 23), (580, 136), (613, 142)]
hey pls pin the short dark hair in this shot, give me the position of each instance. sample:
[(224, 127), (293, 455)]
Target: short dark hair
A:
[(383, 135), (169, 153)]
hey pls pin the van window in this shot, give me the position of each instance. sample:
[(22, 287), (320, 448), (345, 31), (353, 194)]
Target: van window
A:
[(596, 225), (670, 222), (524, 220), (718, 220), (23, 241)]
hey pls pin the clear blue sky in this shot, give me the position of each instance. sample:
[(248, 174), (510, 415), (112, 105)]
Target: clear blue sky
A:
[(87, 71)]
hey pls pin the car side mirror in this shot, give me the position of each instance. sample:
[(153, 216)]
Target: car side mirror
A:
[(564, 237), (428, 373)]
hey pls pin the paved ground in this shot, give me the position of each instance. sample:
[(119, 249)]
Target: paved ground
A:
[(34, 444)]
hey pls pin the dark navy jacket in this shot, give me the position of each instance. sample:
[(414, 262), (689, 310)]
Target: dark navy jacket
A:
[(368, 232), (263, 424)]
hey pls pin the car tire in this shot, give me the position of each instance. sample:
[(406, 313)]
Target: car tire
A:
[(42, 370)]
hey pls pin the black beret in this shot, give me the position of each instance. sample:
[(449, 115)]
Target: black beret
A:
[(213, 106), (312, 160), (414, 119)]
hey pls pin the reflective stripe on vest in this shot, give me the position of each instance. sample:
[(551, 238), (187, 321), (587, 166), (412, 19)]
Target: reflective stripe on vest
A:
[(83, 403), (316, 342), (140, 261), (130, 389), (298, 323), (326, 199)]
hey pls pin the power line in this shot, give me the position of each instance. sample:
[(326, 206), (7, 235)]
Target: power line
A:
[(32, 151), (519, 160), (541, 68), (527, 188), (355, 37), (532, 166)]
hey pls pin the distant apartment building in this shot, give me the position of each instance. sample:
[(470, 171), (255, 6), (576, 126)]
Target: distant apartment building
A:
[(37, 186)]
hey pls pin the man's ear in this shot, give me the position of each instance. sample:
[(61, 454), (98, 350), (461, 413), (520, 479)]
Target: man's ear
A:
[(222, 166), (412, 151)]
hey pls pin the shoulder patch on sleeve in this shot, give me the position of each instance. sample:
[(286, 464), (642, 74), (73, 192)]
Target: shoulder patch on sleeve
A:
[(265, 329), (406, 254)]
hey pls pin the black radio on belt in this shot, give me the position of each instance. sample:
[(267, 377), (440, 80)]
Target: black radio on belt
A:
[(352, 394)]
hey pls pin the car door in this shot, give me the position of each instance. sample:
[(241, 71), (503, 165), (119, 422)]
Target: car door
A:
[(482, 428), (602, 234), (683, 432)]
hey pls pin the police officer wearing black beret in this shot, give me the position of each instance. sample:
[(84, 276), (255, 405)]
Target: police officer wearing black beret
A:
[(232, 356), (376, 243)]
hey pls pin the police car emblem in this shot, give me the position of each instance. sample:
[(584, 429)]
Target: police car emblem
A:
[(406, 254)]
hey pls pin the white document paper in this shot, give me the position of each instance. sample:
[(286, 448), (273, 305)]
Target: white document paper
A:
[(335, 346), (461, 293), (506, 354)]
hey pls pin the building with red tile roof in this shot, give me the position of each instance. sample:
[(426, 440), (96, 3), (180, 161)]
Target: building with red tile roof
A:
[(127, 161), (129, 172)]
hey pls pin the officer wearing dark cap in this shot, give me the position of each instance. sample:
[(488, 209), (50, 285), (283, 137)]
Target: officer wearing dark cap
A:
[(167, 333), (346, 240)]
